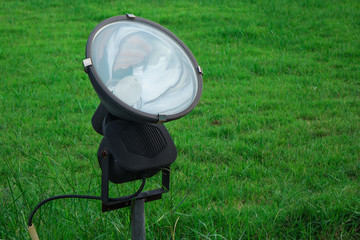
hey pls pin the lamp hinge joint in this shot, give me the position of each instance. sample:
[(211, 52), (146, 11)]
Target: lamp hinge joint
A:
[(161, 118), (200, 70), (87, 63), (131, 16)]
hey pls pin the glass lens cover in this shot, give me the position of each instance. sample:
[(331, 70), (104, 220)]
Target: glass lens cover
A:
[(144, 67)]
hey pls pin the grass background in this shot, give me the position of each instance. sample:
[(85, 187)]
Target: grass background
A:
[(271, 151)]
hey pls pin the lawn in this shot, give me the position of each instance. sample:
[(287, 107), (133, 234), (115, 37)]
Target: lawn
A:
[(272, 150)]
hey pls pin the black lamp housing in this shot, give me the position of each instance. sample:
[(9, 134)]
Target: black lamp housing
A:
[(135, 150)]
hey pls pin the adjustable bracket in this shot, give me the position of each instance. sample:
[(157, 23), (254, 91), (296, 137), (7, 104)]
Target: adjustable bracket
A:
[(109, 204)]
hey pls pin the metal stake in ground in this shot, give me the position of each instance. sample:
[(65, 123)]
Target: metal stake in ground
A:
[(138, 219)]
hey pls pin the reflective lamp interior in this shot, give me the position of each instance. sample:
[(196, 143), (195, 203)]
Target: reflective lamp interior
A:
[(144, 67)]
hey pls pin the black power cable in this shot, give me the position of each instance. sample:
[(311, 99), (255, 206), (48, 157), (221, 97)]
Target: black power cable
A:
[(84, 197)]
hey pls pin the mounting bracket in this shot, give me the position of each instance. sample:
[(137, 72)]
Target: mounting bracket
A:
[(109, 204)]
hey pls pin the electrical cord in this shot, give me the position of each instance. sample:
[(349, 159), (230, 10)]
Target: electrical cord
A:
[(58, 197), (30, 226)]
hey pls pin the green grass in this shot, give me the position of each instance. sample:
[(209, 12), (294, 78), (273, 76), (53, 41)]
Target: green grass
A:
[(272, 151)]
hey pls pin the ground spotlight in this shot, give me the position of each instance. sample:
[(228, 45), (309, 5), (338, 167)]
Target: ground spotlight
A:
[(144, 76)]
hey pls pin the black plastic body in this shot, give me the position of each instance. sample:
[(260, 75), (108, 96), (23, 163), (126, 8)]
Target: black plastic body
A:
[(136, 150)]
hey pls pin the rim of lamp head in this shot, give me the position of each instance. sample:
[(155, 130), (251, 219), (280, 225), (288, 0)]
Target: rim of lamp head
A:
[(117, 107)]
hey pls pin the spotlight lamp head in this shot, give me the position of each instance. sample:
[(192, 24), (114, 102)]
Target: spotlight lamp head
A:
[(141, 71)]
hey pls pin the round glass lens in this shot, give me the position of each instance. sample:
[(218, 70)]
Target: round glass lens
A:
[(144, 67)]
